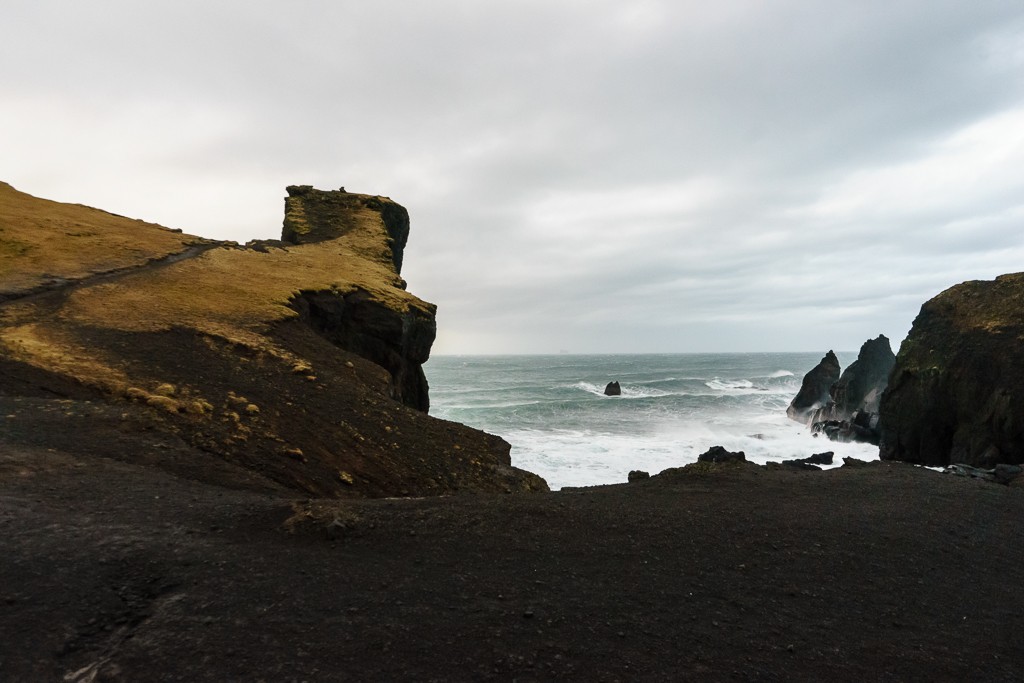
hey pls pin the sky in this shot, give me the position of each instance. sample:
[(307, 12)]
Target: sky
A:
[(582, 176)]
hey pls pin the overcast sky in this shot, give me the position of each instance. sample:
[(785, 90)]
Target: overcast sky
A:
[(589, 176)]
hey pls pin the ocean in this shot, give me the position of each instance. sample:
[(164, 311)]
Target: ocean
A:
[(673, 407)]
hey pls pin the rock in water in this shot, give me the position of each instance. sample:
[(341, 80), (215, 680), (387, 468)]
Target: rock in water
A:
[(613, 389), (857, 392), (861, 385), (814, 392), (956, 393)]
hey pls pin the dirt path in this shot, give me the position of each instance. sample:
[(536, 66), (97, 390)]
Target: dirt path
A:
[(111, 571), (58, 284)]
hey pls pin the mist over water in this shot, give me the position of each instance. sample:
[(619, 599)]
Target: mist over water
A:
[(553, 410)]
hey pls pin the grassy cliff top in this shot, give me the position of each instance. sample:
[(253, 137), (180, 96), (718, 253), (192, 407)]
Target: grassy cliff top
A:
[(120, 283), (991, 305), (42, 240), (963, 314)]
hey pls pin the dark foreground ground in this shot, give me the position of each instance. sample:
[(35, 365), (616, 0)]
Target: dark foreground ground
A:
[(117, 571)]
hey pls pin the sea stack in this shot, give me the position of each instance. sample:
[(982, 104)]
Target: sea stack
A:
[(861, 385), (814, 391), (847, 410), (613, 389)]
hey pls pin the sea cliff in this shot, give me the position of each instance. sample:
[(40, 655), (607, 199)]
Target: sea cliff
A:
[(956, 393), (292, 363)]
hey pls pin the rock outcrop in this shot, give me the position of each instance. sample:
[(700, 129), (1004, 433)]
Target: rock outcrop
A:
[(359, 321), (292, 364), (815, 459), (956, 393), (719, 454), (613, 389), (862, 426), (814, 391), (860, 387), (847, 410)]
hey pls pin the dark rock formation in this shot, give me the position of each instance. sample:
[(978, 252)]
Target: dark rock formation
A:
[(847, 409), (637, 475), (956, 394), (862, 427), (719, 454), (816, 459), (814, 391), (861, 385), (613, 389), (398, 342)]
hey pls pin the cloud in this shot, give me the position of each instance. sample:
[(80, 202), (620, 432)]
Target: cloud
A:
[(596, 176)]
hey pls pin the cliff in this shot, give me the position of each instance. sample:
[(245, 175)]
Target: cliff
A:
[(292, 364), (956, 393), (398, 338)]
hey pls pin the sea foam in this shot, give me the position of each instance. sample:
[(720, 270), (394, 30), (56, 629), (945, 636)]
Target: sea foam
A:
[(673, 408)]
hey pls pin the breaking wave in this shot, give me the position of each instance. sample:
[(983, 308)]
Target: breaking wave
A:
[(561, 425)]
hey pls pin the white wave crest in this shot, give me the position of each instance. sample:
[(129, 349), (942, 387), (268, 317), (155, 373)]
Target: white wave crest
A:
[(730, 384), (582, 457)]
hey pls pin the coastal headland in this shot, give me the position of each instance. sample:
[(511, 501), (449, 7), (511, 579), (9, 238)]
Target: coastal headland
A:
[(291, 365), (216, 464)]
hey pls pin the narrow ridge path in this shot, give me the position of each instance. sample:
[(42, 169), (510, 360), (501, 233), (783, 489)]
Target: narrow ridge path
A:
[(66, 284)]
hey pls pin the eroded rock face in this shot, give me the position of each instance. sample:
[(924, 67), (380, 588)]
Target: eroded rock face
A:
[(398, 342), (956, 393), (814, 391), (847, 410), (313, 216), (861, 385)]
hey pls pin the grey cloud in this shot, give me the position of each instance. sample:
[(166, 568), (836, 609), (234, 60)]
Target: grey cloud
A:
[(598, 176)]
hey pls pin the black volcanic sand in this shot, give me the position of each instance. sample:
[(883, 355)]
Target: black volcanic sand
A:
[(117, 571)]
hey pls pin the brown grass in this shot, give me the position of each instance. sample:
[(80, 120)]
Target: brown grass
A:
[(229, 292), (40, 239), (233, 292)]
